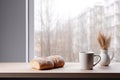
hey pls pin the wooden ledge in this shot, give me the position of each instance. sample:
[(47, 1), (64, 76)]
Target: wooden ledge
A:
[(70, 70)]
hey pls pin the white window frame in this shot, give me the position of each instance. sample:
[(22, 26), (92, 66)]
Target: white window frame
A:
[(26, 11), (29, 30)]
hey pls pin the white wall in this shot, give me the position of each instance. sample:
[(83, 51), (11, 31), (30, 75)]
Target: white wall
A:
[(12, 30)]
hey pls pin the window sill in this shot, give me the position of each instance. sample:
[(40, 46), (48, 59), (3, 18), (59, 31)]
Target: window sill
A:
[(70, 70)]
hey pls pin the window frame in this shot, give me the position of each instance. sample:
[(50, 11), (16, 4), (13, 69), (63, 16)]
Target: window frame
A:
[(30, 18)]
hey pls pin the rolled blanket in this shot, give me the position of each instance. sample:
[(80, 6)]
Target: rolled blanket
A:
[(41, 63), (58, 60)]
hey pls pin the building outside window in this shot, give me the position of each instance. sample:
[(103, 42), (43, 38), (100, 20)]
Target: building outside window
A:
[(67, 27)]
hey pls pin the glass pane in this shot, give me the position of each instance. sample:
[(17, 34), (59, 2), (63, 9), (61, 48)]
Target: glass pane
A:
[(67, 27)]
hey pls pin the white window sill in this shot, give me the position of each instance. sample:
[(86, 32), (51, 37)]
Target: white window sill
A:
[(70, 70)]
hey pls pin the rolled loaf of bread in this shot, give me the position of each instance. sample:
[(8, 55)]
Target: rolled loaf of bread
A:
[(41, 63), (58, 60)]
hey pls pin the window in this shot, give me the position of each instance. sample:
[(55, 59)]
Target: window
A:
[(66, 27)]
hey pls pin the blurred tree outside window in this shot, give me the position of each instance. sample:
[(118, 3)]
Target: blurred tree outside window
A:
[(67, 27)]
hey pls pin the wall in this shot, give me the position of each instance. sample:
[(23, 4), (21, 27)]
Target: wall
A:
[(12, 30)]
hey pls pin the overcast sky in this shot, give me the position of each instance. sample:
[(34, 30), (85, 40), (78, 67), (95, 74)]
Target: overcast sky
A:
[(74, 7), (65, 8)]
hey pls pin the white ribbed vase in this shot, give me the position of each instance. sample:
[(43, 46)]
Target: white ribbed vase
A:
[(105, 59)]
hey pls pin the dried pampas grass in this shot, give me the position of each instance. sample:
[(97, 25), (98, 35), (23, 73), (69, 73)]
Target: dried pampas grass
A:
[(104, 41)]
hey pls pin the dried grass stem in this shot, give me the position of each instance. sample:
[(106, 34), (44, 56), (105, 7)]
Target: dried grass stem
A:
[(104, 41)]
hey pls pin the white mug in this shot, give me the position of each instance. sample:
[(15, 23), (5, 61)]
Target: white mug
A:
[(86, 60)]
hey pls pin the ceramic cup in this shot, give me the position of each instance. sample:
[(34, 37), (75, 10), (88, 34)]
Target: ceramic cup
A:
[(86, 60)]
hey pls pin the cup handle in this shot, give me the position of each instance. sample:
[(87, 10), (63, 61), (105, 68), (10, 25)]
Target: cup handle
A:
[(98, 60)]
